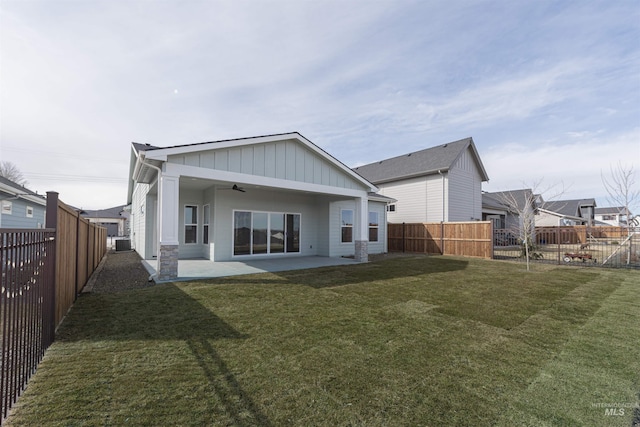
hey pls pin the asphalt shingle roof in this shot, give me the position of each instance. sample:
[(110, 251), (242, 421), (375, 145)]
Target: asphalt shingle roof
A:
[(423, 162)]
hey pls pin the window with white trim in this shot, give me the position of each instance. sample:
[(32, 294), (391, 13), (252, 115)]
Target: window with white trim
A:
[(391, 207), (29, 211), (7, 207), (205, 225), (374, 226), (346, 225), (190, 224)]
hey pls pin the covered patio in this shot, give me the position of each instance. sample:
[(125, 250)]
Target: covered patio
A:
[(193, 269)]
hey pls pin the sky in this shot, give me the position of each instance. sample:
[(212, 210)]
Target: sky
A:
[(548, 90)]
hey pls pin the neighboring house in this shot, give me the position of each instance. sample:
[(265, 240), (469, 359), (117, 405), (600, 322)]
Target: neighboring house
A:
[(115, 220), (20, 207), (566, 212), (509, 209), (442, 183), (243, 199), (616, 216)]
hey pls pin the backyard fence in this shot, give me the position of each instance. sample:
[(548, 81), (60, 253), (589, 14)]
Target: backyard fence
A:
[(472, 239), (41, 272), (605, 246)]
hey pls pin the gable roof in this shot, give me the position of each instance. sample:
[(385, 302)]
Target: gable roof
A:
[(618, 210), (424, 162), (506, 199), (18, 191), (145, 157), (114, 212), (568, 207)]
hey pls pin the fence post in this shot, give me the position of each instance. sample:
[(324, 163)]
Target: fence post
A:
[(403, 237), (558, 244), (52, 223)]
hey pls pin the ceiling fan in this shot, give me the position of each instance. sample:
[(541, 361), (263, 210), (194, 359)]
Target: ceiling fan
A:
[(235, 187)]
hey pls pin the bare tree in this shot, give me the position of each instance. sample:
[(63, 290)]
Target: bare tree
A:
[(620, 188), (10, 171), (522, 205)]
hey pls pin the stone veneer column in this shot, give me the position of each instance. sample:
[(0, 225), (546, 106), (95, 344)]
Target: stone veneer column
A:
[(168, 200), (168, 263), (362, 251)]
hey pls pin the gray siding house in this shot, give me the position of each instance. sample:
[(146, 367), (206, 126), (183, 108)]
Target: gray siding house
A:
[(566, 212), (261, 197), (20, 207), (442, 183)]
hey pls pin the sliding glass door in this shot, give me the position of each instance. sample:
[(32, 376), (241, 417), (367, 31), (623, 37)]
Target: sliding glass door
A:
[(259, 233)]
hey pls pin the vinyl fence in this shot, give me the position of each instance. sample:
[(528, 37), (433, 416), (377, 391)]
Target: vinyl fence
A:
[(472, 239), (41, 273)]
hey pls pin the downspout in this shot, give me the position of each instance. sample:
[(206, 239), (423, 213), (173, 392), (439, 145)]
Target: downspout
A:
[(442, 221), (141, 159)]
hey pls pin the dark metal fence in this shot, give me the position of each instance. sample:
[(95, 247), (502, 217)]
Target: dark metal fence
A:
[(615, 247), (27, 307)]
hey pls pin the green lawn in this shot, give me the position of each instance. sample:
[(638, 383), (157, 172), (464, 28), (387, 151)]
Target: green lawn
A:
[(435, 341)]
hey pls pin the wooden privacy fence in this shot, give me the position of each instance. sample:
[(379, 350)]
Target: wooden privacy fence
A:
[(80, 246), (41, 273), (577, 234), (472, 239)]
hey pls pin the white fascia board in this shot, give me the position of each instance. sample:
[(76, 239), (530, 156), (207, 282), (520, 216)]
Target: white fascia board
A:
[(15, 194), (263, 181), (162, 154)]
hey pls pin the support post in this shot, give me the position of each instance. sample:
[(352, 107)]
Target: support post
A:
[(362, 230), (169, 223)]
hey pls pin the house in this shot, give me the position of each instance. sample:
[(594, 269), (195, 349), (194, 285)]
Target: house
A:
[(442, 183), (616, 216), (566, 212), (242, 199), (509, 209), (20, 207), (115, 220)]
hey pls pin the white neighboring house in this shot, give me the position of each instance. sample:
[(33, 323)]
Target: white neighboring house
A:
[(242, 199), (442, 183), (616, 216), (113, 219)]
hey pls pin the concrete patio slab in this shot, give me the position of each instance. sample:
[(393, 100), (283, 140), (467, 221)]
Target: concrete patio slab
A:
[(192, 269)]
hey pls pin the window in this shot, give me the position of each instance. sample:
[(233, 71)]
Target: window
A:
[(346, 225), (608, 217), (256, 233), (7, 207), (373, 226), (190, 224), (391, 207), (205, 225), (29, 211)]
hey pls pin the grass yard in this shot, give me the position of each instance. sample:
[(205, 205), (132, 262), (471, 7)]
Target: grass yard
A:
[(433, 341)]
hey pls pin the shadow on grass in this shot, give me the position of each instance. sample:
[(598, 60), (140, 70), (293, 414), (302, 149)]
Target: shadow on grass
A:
[(341, 275), (166, 314)]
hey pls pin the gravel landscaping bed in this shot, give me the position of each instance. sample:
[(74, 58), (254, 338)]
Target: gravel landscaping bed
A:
[(121, 271)]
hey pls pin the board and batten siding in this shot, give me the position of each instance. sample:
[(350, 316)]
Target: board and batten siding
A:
[(465, 190), (288, 160)]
